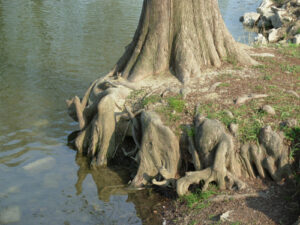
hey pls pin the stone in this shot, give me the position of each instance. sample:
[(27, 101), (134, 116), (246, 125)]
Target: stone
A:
[(290, 123), (296, 39), (279, 17), (234, 128), (260, 39), (229, 114), (250, 19), (293, 93), (10, 214), (265, 9), (225, 216), (274, 35), (268, 109), (40, 165)]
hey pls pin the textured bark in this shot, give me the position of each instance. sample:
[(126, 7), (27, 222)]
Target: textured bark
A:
[(185, 36)]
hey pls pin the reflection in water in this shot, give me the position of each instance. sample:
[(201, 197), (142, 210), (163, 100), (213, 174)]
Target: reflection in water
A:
[(109, 181), (49, 51), (112, 182)]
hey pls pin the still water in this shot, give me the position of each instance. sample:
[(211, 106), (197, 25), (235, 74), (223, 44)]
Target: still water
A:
[(50, 50)]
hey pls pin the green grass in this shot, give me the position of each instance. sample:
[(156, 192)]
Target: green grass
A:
[(176, 103), (151, 100), (199, 199), (293, 135), (175, 106), (290, 68), (248, 117), (292, 50)]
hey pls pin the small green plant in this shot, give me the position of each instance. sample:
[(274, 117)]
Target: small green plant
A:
[(290, 68), (176, 103), (224, 85), (293, 135), (151, 100), (199, 199), (194, 222), (267, 77), (258, 87)]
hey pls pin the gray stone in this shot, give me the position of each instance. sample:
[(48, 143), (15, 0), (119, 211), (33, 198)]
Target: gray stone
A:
[(274, 35), (289, 123), (250, 19), (40, 164), (11, 214), (296, 39), (268, 109), (279, 17)]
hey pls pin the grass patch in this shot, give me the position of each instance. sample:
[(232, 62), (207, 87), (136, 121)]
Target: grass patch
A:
[(173, 109), (248, 117), (151, 100), (176, 103), (291, 50), (290, 68), (199, 199)]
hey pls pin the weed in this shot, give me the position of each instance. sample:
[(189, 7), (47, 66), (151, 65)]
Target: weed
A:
[(199, 199), (290, 68), (289, 50), (194, 222), (258, 87), (224, 85), (151, 99), (176, 103), (267, 77)]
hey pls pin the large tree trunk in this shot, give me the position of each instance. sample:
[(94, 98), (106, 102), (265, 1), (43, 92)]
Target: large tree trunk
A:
[(185, 36)]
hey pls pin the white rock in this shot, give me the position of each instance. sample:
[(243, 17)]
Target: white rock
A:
[(225, 216), (40, 164), (274, 35), (260, 39), (268, 109), (250, 19), (296, 39), (265, 9), (10, 215)]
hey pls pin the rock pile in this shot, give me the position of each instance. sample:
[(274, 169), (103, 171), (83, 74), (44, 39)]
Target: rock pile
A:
[(276, 21)]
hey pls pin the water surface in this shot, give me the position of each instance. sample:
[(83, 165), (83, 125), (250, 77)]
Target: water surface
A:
[(51, 50)]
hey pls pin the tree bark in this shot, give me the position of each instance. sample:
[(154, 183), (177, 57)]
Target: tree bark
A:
[(185, 36)]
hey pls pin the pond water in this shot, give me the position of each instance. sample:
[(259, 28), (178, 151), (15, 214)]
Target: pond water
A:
[(50, 50)]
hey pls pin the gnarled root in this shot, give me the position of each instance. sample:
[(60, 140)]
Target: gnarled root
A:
[(270, 155), (97, 115), (214, 147), (207, 175), (159, 153)]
